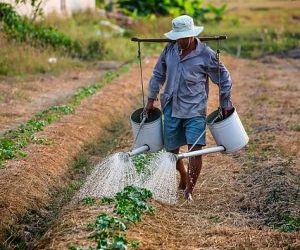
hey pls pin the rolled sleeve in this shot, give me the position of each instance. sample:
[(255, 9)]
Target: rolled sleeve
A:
[(224, 81), (158, 76)]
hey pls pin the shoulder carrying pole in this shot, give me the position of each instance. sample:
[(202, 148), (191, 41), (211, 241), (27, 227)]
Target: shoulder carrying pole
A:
[(219, 81), (141, 71), (161, 40)]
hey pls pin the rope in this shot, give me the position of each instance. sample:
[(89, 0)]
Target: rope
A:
[(138, 133), (195, 143), (219, 76), (141, 71), (220, 109)]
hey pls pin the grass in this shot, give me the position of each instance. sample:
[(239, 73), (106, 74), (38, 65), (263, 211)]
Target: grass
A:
[(89, 25), (295, 127), (290, 224), (18, 59), (251, 32), (257, 32)]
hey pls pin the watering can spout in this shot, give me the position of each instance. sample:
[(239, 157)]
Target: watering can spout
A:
[(200, 152), (139, 150)]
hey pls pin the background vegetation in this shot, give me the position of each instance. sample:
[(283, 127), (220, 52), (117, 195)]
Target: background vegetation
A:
[(86, 37)]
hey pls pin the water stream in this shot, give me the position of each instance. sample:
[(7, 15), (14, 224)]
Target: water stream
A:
[(109, 177), (162, 180), (118, 171)]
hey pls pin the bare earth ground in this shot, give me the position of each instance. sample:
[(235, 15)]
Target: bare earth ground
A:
[(238, 196), (20, 99)]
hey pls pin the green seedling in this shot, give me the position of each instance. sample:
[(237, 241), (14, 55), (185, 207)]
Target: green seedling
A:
[(108, 230), (89, 200)]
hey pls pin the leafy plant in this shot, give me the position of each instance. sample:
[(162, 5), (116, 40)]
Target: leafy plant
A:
[(291, 224), (131, 203), (140, 161), (89, 200), (14, 141), (108, 231), (107, 200)]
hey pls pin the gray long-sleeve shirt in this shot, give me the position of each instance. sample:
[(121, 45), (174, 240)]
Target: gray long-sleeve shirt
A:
[(185, 80)]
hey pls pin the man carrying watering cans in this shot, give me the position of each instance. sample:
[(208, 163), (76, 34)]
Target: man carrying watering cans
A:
[(184, 69)]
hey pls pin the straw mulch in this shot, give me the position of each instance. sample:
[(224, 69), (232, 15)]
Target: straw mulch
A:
[(28, 183), (230, 209)]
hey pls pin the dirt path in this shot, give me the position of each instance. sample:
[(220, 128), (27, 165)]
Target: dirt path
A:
[(232, 206), (21, 99)]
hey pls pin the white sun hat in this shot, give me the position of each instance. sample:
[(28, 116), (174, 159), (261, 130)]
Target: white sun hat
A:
[(183, 26)]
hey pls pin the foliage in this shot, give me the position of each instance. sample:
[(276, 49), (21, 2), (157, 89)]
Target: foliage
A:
[(89, 200), (21, 30), (14, 140), (291, 224), (193, 8), (217, 11), (85, 92), (108, 230), (142, 160), (131, 203)]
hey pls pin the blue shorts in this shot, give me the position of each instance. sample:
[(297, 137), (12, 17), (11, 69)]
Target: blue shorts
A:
[(179, 132)]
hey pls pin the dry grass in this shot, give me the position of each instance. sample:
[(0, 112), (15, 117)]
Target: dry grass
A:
[(17, 59), (23, 98), (216, 219), (26, 184)]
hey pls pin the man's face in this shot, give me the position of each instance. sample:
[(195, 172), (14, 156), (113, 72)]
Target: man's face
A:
[(184, 42)]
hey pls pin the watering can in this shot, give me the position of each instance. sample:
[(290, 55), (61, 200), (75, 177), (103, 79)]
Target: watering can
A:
[(147, 131), (229, 134)]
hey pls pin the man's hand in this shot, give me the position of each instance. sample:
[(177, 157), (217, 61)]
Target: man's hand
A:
[(149, 106), (226, 112)]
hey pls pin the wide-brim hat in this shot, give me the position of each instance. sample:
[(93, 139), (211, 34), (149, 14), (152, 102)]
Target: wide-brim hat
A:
[(183, 26)]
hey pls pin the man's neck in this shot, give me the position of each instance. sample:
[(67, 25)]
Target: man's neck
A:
[(184, 52)]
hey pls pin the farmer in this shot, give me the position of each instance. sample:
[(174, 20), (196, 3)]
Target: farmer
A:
[(184, 69)]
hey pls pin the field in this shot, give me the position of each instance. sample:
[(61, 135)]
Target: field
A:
[(67, 117)]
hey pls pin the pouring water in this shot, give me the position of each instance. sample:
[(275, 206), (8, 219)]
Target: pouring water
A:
[(109, 177)]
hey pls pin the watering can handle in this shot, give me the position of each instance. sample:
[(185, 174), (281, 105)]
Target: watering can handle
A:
[(220, 115), (145, 116)]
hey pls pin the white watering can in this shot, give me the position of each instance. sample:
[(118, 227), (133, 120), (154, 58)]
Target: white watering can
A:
[(229, 134), (147, 131)]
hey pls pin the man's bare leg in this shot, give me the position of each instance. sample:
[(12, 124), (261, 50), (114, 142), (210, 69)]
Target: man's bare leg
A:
[(182, 171), (194, 169)]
